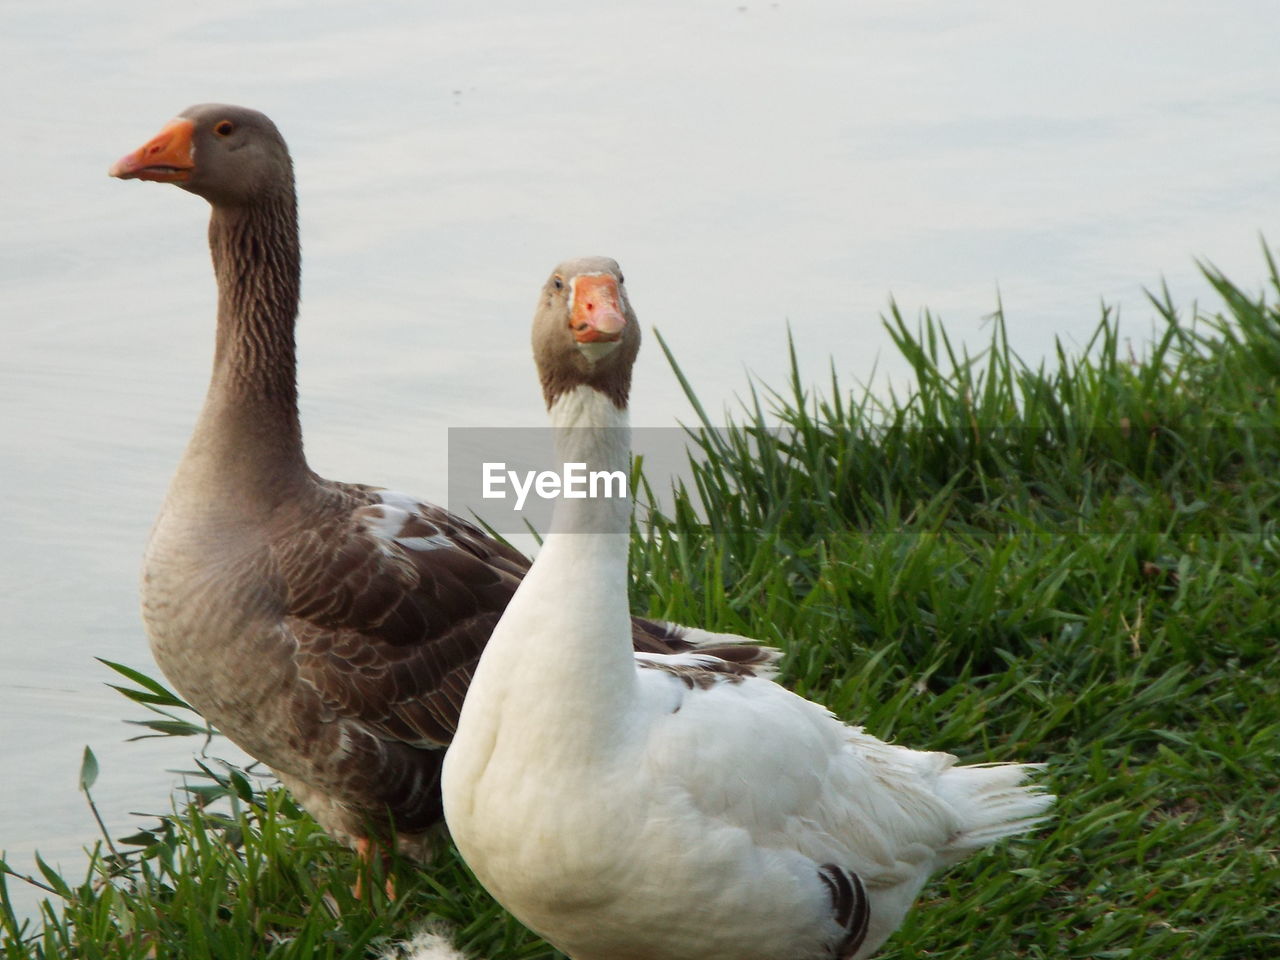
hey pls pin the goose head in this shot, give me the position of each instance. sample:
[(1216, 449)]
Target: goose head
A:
[(584, 331), (229, 155)]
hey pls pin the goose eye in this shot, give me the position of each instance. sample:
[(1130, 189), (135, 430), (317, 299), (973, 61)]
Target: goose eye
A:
[(621, 278), (559, 282), (224, 128)]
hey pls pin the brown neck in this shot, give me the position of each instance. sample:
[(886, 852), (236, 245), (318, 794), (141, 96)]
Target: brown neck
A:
[(257, 262), (249, 432)]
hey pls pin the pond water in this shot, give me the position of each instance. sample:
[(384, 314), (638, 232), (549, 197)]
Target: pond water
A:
[(751, 165)]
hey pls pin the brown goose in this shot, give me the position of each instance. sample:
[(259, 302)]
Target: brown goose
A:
[(329, 629)]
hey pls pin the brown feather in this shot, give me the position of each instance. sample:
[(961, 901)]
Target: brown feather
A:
[(283, 606)]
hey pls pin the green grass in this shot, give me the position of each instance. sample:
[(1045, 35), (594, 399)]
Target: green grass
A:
[(1074, 562)]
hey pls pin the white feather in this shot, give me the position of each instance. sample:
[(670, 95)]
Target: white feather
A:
[(429, 943), (629, 814)]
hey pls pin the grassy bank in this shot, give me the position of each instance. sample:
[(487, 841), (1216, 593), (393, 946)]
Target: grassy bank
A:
[(1074, 562)]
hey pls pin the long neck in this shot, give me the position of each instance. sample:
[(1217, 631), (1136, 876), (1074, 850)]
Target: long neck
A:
[(594, 436), (249, 439), (586, 550), (567, 632), (258, 265)]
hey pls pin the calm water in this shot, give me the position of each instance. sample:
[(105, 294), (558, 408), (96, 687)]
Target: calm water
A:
[(750, 164)]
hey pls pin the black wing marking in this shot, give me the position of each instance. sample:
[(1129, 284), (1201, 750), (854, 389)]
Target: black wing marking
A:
[(849, 904)]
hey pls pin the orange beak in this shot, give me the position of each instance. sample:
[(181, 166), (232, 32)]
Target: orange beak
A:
[(596, 312), (168, 157)]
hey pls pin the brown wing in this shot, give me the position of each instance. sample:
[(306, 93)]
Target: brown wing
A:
[(392, 603), (390, 608), (740, 655), (389, 604), (697, 672)]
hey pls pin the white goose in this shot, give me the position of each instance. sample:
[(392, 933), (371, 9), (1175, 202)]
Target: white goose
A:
[(649, 807)]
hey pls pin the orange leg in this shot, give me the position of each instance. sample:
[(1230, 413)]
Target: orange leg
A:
[(366, 852)]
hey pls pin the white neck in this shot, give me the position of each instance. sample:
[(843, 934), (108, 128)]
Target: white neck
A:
[(563, 648), (583, 560), (591, 431)]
